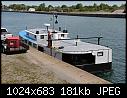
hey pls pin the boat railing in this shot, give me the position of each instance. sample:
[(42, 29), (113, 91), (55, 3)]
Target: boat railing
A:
[(78, 38), (85, 51)]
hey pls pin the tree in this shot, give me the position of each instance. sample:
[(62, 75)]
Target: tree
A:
[(95, 7), (114, 7), (64, 6), (123, 6), (41, 7), (50, 7), (79, 6)]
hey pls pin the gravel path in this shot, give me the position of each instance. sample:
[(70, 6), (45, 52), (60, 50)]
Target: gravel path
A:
[(24, 69)]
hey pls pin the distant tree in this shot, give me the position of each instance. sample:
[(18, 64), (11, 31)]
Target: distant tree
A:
[(73, 6), (41, 7), (95, 6), (114, 7), (23, 6), (64, 6), (79, 6), (101, 6), (123, 6), (58, 9), (18, 6), (50, 8), (4, 7)]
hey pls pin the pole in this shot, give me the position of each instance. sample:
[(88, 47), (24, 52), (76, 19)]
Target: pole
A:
[(98, 40), (47, 29), (26, 27), (53, 21), (76, 41)]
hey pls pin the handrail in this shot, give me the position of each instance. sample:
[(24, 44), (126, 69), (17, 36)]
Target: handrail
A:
[(87, 51), (77, 38)]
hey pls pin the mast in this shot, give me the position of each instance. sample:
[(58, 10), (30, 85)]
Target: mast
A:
[(54, 21)]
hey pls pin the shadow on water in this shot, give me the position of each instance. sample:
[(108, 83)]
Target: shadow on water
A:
[(104, 74)]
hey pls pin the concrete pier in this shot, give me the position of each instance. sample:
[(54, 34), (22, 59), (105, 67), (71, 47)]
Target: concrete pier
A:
[(66, 71)]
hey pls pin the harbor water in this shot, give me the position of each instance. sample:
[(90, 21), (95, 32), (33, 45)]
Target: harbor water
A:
[(113, 31)]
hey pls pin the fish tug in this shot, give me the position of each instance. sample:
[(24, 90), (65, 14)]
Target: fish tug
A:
[(87, 56)]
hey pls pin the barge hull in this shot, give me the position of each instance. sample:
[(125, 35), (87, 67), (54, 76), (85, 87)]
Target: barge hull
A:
[(96, 67)]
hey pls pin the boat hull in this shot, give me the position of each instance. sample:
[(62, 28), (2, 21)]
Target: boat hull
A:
[(96, 67)]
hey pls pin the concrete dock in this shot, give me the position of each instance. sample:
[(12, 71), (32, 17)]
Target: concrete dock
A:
[(66, 71), (40, 68)]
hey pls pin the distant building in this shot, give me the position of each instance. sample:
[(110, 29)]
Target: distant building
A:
[(10, 9), (31, 9)]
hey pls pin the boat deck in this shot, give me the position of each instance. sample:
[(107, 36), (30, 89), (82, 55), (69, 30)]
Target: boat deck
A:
[(69, 46), (82, 47)]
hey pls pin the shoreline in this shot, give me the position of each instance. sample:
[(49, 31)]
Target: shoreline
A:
[(90, 14)]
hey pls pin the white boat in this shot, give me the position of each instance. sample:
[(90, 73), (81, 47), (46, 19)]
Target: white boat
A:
[(5, 34), (88, 56)]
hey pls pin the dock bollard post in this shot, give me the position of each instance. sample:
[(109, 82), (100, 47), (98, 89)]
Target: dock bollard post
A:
[(98, 40)]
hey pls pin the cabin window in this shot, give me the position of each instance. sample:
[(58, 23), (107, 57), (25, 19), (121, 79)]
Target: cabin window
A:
[(99, 53), (30, 43), (37, 32), (35, 45), (26, 41), (3, 30), (34, 36), (42, 37), (62, 35), (27, 34)]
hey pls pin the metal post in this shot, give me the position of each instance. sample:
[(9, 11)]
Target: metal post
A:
[(47, 29), (51, 50), (53, 21), (26, 27), (98, 40), (76, 41)]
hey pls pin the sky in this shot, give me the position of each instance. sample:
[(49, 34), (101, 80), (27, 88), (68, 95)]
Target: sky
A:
[(59, 3)]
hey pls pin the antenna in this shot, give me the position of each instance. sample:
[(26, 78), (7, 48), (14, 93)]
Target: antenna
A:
[(54, 21)]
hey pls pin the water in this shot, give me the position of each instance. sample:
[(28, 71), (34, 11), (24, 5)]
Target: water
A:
[(113, 31)]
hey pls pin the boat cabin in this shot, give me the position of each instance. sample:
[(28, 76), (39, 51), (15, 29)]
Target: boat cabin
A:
[(41, 36)]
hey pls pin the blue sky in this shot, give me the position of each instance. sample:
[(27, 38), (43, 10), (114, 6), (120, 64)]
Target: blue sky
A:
[(59, 3)]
